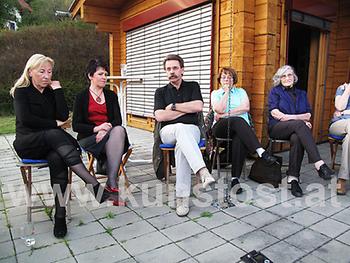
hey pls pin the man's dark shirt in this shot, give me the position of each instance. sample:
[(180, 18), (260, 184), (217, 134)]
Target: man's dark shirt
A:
[(188, 91)]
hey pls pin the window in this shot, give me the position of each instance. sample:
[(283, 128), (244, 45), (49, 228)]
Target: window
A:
[(187, 34)]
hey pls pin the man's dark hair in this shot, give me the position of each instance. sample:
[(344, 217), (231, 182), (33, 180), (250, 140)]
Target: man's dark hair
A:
[(174, 57), (93, 65)]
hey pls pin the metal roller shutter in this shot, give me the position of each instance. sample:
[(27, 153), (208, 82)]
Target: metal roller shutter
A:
[(187, 34)]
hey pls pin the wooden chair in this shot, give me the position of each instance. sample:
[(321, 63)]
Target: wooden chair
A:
[(334, 141), (26, 166), (166, 150), (121, 170)]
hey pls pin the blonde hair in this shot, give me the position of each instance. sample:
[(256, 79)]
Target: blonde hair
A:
[(279, 73), (33, 62)]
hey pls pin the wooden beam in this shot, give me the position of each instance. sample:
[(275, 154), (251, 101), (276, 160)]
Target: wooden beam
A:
[(163, 10)]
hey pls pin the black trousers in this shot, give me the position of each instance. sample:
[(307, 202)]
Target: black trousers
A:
[(58, 160), (243, 138), (300, 138)]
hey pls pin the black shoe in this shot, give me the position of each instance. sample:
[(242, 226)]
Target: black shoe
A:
[(295, 188), (325, 172), (235, 183), (269, 159), (101, 194), (60, 227)]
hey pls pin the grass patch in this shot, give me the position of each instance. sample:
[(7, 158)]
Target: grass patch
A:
[(109, 230), (206, 214), (48, 211), (110, 215), (7, 124)]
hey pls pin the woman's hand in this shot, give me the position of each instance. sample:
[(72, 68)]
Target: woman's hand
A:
[(106, 126), (100, 135), (337, 114), (60, 123), (308, 124), (226, 88), (55, 84)]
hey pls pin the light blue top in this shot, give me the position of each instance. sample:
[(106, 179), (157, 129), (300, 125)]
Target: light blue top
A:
[(339, 92), (237, 95)]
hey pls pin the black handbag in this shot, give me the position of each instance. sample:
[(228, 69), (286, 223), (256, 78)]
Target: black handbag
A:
[(264, 173)]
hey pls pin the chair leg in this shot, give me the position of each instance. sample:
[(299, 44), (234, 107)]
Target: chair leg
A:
[(69, 188), (333, 152), (166, 161), (91, 160), (269, 147), (122, 168), (26, 172)]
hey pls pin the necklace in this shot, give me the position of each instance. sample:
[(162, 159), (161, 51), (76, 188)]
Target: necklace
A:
[(98, 97)]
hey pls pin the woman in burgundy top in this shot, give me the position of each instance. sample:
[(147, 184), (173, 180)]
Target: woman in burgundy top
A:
[(97, 120)]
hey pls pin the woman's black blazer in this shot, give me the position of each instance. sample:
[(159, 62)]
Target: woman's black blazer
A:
[(81, 123)]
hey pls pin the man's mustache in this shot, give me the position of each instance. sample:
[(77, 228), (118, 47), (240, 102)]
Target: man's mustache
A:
[(173, 76)]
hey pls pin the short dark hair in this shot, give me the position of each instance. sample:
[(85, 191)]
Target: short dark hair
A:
[(230, 71), (174, 57), (94, 64)]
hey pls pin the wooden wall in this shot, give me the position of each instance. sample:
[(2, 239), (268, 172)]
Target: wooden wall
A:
[(248, 35), (340, 50), (338, 68), (267, 44)]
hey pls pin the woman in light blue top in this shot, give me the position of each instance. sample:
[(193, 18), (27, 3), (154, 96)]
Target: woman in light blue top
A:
[(231, 106), (340, 125)]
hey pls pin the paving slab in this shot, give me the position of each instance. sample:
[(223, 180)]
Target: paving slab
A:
[(305, 218), (200, 243), (46, 254), (333, 251), (215, 220), (6, 249), (224, 253), (260, 218), (345, 238), (282, 228), (167, 220), (233, 230), (256, 240), (169, 253), (330, 227), (112, 253), (283, 252), (307, 240), (145, 243), (183, 230), (86, 244), (132, 230)]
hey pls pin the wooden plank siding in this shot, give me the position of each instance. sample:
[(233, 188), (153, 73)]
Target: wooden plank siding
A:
[(250, 36)]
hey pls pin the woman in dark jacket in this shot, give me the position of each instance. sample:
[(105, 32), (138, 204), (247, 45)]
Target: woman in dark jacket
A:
[(97, 120), (41, 110), (289, 119)]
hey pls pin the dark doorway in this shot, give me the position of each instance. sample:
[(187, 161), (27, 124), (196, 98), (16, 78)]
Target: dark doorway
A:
[(299, 51)]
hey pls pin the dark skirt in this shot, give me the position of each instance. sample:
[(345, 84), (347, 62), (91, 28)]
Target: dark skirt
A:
[(34, 145), (89, 144)]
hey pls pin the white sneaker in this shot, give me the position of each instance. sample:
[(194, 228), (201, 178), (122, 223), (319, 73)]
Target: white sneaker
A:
[(182, 206), (206, 178)]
